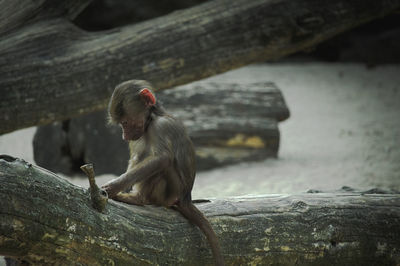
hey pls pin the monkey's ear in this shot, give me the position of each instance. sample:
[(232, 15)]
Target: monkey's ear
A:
[(148, 97)]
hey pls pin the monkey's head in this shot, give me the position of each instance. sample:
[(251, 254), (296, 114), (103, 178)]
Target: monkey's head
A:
[(130, 106)]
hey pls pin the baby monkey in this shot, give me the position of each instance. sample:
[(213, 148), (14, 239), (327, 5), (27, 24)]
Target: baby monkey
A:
[(162, 167)]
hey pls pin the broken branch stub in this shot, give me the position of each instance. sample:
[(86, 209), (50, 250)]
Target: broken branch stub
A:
[(98, 196)]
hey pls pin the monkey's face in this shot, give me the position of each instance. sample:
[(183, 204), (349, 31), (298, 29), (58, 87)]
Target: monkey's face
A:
[(132, 126)]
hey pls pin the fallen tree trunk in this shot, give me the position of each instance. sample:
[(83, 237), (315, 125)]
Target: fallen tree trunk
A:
[(51, 70), (227, 122), (46, 220)]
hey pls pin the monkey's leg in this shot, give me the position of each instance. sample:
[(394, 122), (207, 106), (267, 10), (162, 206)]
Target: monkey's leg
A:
[(130, 198)]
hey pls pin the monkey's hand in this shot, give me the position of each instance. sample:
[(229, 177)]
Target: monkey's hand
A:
[(113, 187)]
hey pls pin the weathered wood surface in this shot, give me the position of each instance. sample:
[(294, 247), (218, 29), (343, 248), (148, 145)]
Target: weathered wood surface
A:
[(227, 122), (51, 70), (46, 220)]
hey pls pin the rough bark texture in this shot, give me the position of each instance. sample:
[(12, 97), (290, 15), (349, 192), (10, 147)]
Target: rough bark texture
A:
[(227, 122), (46, 220), (51, 70)]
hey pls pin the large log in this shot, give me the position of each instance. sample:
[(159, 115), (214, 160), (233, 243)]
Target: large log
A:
[(227, 122), (51, 70), (46, 220)]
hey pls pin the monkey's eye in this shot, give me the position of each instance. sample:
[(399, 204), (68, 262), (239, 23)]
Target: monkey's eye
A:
[(124, 123)]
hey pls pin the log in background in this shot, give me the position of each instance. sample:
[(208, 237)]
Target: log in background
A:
[(52, 70), (227, 122)]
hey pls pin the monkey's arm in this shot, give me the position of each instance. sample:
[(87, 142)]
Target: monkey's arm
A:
[(141, 171)]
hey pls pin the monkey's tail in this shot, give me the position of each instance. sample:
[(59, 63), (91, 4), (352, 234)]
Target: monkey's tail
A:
[(194, 215)]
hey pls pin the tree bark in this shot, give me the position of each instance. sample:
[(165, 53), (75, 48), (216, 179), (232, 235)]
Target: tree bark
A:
[(47, 220), (51, 70)]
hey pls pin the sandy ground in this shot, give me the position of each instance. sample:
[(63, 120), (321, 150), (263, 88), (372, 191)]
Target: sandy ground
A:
[(344, 129)]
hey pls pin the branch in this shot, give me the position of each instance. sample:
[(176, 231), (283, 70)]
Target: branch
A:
[(53, 64), (98, 196), (47, 220)]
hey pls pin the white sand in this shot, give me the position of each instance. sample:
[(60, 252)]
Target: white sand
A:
[(344, 129)]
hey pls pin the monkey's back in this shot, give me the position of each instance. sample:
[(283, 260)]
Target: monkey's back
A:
[(182, 149)]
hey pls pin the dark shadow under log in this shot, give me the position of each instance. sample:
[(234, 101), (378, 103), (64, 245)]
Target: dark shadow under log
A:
[(46, 220)]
